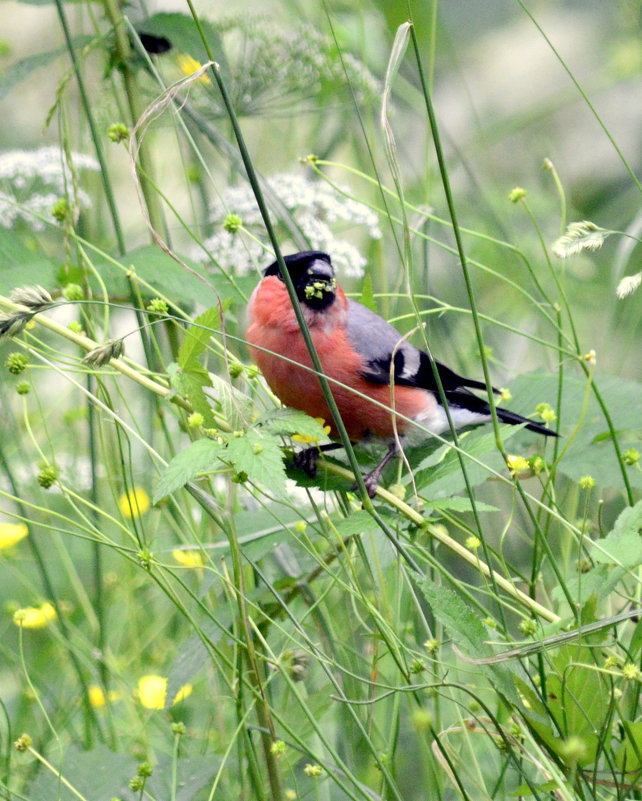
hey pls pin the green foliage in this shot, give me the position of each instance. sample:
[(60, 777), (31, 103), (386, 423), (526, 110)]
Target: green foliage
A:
[(186, 615), (20, 265), (199, 457), (16, 73)]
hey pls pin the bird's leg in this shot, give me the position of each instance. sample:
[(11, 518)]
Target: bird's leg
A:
[(372, 478), (307, 459)]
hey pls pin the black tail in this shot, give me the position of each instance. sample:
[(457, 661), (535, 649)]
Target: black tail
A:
[(506, 416), (467, 400)]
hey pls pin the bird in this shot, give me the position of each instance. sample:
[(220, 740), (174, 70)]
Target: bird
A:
[(359, 352)]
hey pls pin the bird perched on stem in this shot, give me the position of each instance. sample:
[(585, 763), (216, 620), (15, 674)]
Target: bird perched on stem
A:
[(360, 352)]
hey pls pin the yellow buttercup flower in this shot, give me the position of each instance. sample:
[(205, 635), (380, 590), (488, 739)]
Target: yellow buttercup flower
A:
[(11, 533), (188, 558), (152, 690), (307, 439), (97, 696), (35, 617), (189, 65), (134, 503), (517, 464), (182, 694)]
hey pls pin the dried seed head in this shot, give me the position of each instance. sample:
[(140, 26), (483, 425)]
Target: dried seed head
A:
[(35, 298), (14, 323), (112, 349)]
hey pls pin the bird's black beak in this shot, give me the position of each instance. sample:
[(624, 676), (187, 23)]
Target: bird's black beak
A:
[(320, 269), (319, 285)]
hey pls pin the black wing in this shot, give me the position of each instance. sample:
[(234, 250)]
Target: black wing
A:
[(377, 341)]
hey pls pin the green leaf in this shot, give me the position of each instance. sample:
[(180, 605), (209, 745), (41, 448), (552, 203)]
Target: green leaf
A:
[(464, 626), (461, 621), (189, 383), (578, 700), (199, 457), (367, 294), (259, 458), (597, 583), (591, 451), (17, 72), (460, 504), (194, 654), (98, 774), (622, 545), (21, 266), (358, 523), (170, 278), (378, 549), (235, 406), (628, 522), (197, 336), (628, 757), (192, 773), (291, 421), (442, 471)]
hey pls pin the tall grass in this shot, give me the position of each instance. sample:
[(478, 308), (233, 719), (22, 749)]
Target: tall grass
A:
[(186, 614)]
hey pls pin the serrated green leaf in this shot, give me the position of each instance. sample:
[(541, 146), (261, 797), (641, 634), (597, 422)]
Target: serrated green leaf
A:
[(189, 383), (197, 336), (625, 551), (291, 421), (464, 626), (259, 457), (578, 699), (358, 523), (629, 521), (235, 406), (462, 622), (199, 457)]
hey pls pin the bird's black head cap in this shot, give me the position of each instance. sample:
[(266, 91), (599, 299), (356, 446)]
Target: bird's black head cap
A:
[(312, 274)]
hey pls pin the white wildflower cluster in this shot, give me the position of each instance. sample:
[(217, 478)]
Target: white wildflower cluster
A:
[(31, 181), (315, 206), (272, 66)]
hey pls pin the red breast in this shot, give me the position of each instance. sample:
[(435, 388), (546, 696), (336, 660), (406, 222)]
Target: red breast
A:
[(273, 326)]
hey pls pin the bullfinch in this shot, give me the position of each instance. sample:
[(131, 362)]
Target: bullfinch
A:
[(361, 351)]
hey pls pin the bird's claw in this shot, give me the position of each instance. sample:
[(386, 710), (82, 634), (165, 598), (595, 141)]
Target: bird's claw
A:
[(371, 481)]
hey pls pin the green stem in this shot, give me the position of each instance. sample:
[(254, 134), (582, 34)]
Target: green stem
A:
[(144, 167), (86, 104), (585, 98)]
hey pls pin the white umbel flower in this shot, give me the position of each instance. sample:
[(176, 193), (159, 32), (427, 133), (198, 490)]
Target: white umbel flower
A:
[(31, 181), (316, 206)]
